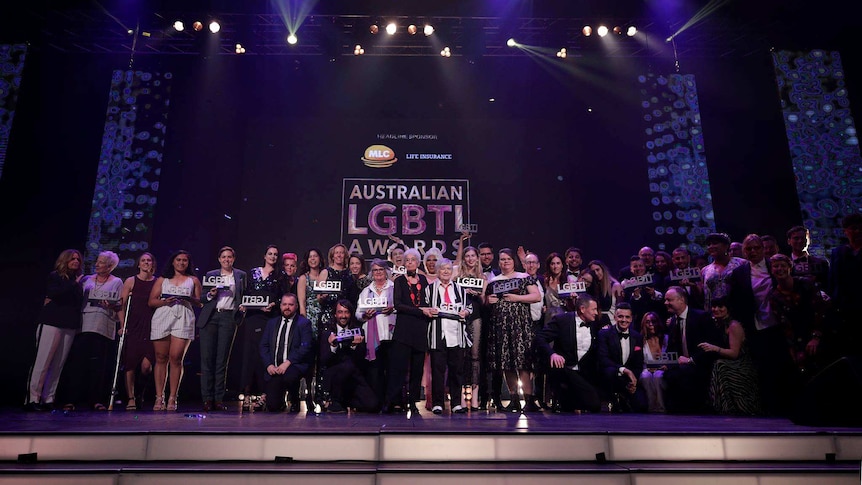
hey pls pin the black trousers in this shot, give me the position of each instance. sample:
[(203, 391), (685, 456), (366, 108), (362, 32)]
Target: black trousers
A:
[(451, 359), (345, 384), (574, 391), (404, 359), (687, 389), (377, 370), (614, 385), (278, 384), (86, 377)]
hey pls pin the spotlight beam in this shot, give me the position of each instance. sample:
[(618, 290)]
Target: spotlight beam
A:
[(701, 14), (293, 13)]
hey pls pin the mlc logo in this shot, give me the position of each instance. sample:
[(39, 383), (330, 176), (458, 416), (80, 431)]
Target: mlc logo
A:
[(379, 156)]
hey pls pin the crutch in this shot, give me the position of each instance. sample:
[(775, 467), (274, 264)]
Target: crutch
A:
[(120, 352)]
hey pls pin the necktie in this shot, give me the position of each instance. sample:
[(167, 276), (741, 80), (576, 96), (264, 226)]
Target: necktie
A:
[(446, 298), (373, 338), (684, 341), (282, 342)]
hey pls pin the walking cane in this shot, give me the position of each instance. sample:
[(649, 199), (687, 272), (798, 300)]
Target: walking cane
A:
[(120, 353)]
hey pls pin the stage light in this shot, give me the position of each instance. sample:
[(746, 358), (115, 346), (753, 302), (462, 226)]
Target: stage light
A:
[(239, 49), (587, 31), (603, 31), (511, 42), (428, 30), (391, 28), (291, 39), (411, 29), (374, 29), (197, 26), (178, 26), (358, 50), (632, 30), (618, 30), (215, 27), (561, 53), (446, 52)]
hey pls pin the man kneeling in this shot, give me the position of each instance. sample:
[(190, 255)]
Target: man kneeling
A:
[(342, 352)]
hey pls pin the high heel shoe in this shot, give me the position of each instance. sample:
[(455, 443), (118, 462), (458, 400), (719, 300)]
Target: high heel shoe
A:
[(513, 407), (160, 403), (172, 404)]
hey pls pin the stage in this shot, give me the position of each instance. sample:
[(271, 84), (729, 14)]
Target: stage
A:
[(485, 447)]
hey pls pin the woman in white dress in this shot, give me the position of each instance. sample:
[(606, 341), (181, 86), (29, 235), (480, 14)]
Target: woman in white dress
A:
[(175, 295)]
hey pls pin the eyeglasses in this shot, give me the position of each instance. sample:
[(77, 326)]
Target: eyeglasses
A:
[(531, 262), (377, 269)]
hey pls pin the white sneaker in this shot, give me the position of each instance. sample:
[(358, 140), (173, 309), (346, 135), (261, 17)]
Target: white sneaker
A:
[(437, 410), (459, 409)]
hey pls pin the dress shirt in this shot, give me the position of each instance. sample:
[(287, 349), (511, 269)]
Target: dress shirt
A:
[(761, 284), (282, 343), (584, 338), (682, 321), (226, 294)]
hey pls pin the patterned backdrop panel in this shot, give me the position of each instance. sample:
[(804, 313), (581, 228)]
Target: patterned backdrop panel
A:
[(824, 145), (11, 68), (127, 179), (678, 178)]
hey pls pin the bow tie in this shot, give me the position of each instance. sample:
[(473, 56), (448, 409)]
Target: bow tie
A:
[(624, 335), (411, 273), (584, 324)]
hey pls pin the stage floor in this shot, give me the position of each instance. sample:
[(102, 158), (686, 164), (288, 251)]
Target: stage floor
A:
[(190, 419), (486, 448)]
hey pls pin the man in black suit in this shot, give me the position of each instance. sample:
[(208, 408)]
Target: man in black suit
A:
[(572, 359), (688, 382), (286, 350), (621, 360), (340, 359), (845, 285)]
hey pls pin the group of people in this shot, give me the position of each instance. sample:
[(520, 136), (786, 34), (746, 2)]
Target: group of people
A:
[(726, 333)]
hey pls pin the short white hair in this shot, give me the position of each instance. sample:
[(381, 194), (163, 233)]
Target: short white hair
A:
[(112, 258), (433, 252), (412, 252), (442, 262)]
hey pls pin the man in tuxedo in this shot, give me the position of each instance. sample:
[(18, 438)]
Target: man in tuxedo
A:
[(572, 359), (688, 382), (286, 350), (340, 361), (621, 360)]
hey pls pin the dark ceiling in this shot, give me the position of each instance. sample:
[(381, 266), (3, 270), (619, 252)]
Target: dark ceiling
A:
[(332, 27)]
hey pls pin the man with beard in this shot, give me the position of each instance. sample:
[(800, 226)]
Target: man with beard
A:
[(681, 260), (341, 354), (574, 262), (492, 380), (286, 350)]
